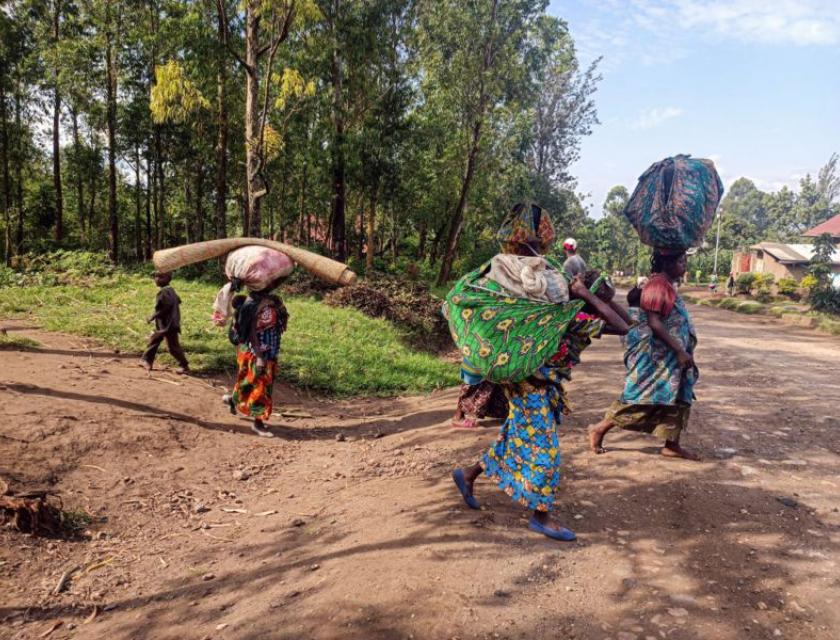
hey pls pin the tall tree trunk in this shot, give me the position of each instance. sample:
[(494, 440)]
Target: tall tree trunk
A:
[(149, 190), (7, 184), (253, 124), (371, 231), (457, 224), (80, 185), (433, 256), (189, 225), (56, 133), (91, 219), (19, 166), (138, 207), (160, 191), (361, 232), (199, 202), (339, 195), (421, 244), (111, 80), (303, 213), (221, 140)]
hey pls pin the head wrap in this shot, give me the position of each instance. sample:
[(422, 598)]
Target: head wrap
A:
[(526, 224)]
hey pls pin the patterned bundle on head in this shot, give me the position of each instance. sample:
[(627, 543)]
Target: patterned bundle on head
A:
[(675, 202), (526, 225)]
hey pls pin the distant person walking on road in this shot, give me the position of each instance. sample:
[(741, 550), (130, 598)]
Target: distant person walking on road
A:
[(730, 284), (661, 374), (167, 319), (574, 264)]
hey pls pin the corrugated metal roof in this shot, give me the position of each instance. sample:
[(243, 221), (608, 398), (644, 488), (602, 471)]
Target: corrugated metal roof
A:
[(832, 226), (792, 253)]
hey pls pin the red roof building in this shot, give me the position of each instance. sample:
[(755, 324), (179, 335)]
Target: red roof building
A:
[(832, 226)]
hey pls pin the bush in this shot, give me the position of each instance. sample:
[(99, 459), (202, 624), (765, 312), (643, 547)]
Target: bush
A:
[(750, 307), (787, 287), (825, 299), (764, 280), (729, 303), (809, 282), (745, 282), (407, 304), (763, 295)]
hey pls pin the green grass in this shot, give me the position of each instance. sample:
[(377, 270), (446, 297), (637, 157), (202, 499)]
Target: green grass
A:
[(830, 325), (750, 307), (9, 341), (335, 350)]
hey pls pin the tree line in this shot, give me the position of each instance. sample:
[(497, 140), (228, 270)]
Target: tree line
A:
[(385, 132)]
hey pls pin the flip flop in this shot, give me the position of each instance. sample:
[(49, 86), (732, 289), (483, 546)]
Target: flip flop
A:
[(461, 483), (559, 533), (466, 423)]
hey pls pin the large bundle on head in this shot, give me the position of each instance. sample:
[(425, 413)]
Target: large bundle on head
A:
[(257, 268), (321, 266), (675, 202), (503, 338)]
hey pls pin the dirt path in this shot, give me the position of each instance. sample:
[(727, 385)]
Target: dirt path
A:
[(347, 525)]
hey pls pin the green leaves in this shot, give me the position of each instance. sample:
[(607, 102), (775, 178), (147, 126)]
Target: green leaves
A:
[(174, 97)]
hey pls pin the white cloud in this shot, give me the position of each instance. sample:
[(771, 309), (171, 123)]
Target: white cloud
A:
[(651, 118), (797, 22), (650, 31)]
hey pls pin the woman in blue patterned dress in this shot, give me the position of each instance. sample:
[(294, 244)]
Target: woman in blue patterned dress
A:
[(525, 460), (661, 373)]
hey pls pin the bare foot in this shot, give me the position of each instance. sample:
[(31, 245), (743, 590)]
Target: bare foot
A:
[(596, 438), (674, 450), (464, 423), (145, 364)]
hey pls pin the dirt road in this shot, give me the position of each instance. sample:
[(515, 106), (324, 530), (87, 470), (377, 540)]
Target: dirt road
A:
[(347, 525)]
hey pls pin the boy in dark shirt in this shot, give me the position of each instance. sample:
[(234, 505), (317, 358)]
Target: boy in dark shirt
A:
[(167, 319)]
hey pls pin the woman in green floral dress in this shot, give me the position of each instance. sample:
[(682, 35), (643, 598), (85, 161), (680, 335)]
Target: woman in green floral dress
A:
[(525, 460)]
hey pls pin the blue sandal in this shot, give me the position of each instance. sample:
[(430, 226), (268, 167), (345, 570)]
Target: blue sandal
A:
[(560, 533), (461, 483)]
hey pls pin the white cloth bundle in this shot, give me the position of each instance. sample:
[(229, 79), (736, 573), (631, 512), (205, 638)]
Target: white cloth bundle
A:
[(529, 277), (255, 267)]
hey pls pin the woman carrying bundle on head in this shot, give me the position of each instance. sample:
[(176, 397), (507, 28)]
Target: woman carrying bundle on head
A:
[(521, 316), (671, 209), (661, 373), (259, 321)]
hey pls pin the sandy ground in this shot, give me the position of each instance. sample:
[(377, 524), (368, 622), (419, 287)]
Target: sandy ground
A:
[(347, 524)]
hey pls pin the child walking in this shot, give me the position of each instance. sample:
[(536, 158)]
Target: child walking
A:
[(167, 319)]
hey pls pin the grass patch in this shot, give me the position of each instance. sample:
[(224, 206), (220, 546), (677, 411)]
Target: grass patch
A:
[(336, 350), (830, 326), (750, 307), (9, 341)]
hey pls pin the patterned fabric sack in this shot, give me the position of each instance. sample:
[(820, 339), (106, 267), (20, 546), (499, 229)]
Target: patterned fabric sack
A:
[(675, 202), (503, 338)]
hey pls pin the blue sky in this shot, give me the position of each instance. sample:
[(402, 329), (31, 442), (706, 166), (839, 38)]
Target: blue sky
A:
[(752, 84)]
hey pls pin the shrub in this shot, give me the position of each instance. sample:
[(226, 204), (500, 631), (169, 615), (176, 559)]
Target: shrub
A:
[(729, 303), (407, 304), (809, 282), (750, 307), (787, 287), (764, 280), (763, 295), (745, 282)]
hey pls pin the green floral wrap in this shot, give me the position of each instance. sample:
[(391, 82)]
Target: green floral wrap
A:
[(503, 339)]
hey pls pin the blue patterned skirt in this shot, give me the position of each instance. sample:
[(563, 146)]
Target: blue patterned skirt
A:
[(525, 460)]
